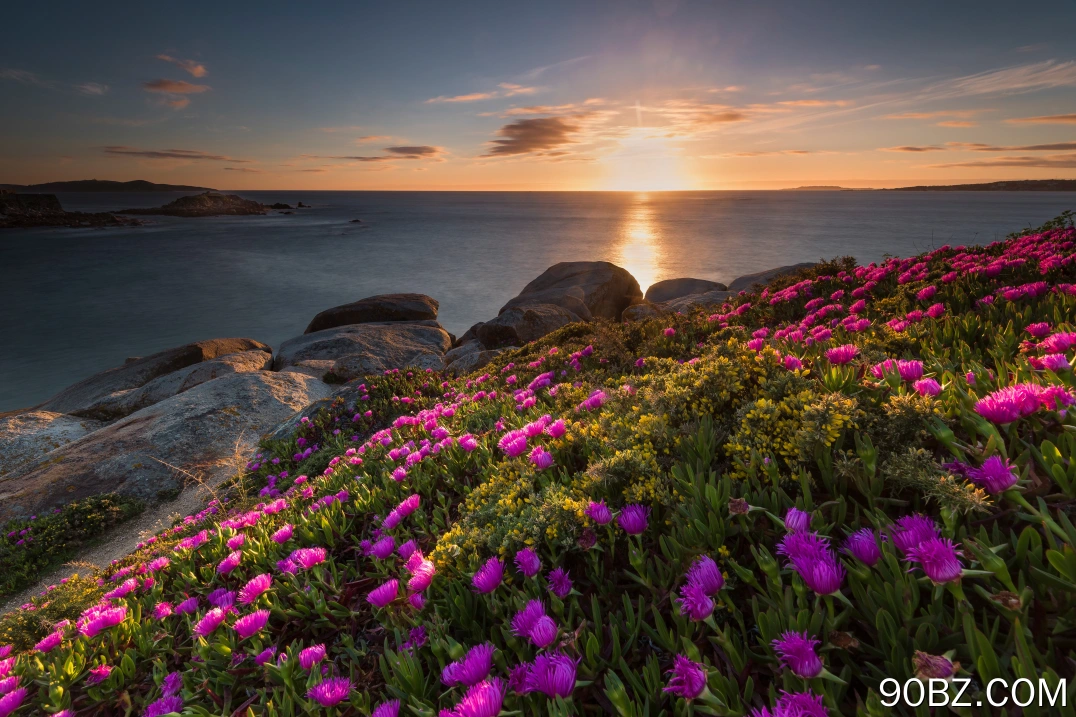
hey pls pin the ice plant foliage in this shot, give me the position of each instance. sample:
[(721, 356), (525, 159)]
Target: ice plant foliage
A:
[(766, 493)]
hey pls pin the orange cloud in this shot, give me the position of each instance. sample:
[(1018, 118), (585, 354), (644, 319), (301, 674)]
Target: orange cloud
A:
[(191, 154), (1055, 161), (908, 148), (507, 89), (958, 123), (816, 103), (174, 87), (1046, 119), (534, 136), (194, 68)]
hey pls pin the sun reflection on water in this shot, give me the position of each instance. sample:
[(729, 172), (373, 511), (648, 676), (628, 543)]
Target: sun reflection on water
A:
[(639, 247)]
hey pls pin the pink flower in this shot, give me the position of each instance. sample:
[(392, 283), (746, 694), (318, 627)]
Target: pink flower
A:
[(688, 678), (513, 443), (283, 535), (598, 512), (670, 332), (230, 563), (793, 364), (11, 701), (528, 562), (1056, 362), (489, 576), (936, 311), (797, 653), (255, 587), (556, 429), (387, 709), (927, 387), (311, 656), (50, 643), (188, 606), (209, 622), (472, 669), (383, 548), (384, 594), (236, 541), (162, 610), (560, 584), (939, 559), (995, 475), (482, 700), (97, 674), (841, 355), (553, 674), (541, 458), (1039, 331), (252, 624), (633, 519), (309, 557), (422, 572), (926, 293), (331, 692)]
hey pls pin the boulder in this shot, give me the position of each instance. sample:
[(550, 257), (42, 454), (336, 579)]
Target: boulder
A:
[(316, 368), (586, 288), (642, 312), (25, 437), (686, 304), (356, 365), (139, 372), (123, 403), (519, 325), (675, 288), (475, 360), (385, 307), (744, 283), (202, 434), (470, 334), (461, 350), (378, 346)]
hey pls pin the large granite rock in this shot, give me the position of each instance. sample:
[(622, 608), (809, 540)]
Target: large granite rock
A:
[(686, 304), (642, 311), (135, 374), (670, 289), (762, 278), (519, 325), (469, 357), (204, 433), (384, 307), (123, 403), (588, 289), (25, 437), (376, 346)]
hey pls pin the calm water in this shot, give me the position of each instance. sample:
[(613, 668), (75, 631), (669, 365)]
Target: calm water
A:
[(76, 301)]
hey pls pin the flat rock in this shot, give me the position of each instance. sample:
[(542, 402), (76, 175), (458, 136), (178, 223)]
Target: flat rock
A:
[(519, 325), (384, 307), (382, 345), (26, 437), (474, 360), (762, 278), (462, 349), (675, 288), (588, 289), (124, 403), (205, 432), (691, 302), (316, 368), (139, 372)]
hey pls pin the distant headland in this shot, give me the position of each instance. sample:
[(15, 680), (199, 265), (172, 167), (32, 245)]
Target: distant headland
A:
[(101, 185), (1022, 185)]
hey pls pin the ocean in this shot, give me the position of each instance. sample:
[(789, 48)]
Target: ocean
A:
[(77, 301)]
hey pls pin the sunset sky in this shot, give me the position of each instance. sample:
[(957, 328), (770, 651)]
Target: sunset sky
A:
[(654, 94)]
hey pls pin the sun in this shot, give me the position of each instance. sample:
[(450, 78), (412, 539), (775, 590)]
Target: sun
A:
[(644, 163)]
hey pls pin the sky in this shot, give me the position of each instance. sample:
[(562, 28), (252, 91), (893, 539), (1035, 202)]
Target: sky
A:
[(576, 95)]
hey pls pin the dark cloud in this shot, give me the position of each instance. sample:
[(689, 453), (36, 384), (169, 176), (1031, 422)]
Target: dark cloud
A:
[(173, 87), (1053, 161), (980, 147), (421, 151), (537, 135), (248, 170), (909, 148), (192, 154)]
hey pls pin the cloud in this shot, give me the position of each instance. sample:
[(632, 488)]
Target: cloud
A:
[(962, 114), (816, 103), (687, 117), (194, 68), (980, 147), (174, 87), (24, 77), (537, 72), (312, 171), (393, 153), (908, 148), (958, 123), (1046, 119), (373, 138), (1053, 161), (176, 103), (570, 108), (92, 88), (1012, 80), (507, 89), (528, 136), (348, 128), (247, 170), (765, 153), (191, 154)]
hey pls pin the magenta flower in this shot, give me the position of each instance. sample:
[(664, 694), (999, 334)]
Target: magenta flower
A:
[(911, 530), (488, 577), (938, 558), (598, 512), (209, 622), (694, 603), (553, 674), (50, 643), (96, 620), (1039, 331), (383, 594), (633, 519), (188, 606), (172, 684), (310, 656), (810, 556), (927, 387), (383, 548), (255, 587), (1010, 403), (407, 549), (11, 701), (97, 674), (252, 624), (543, 632), (936, 311), (797, 521), (796, 704), (1059, 343), (330, 692), (525, 619), (309, 557), (236, 541), (528, 562), (669, 331), (468, 442), (556, 429), (387, 709), (926, 293), (422, 572), (416, 600), (970, 378), (910, 370), (163, 706), (927, 666), (995, 475), (162, 610), (482, 700), (841, 355), (399, 474), (793, 364), (283, 535), (705, 574), (265, 656), (560, 584), (797, 653), (127, 587), (863, 546), (1056, 362), (230, 563), (541, 458), (222, 598), (513, 443), (688, 678), (472, 669)]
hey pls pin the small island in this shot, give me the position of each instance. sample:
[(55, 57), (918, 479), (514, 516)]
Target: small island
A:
[(206, 204), (1022, 185)]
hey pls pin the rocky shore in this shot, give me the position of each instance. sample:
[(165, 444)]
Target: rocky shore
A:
[(22, 211), (206, 204), (162, 423)]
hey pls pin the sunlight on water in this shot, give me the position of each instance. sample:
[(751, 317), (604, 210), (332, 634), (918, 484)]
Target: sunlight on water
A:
[(638, 247)]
